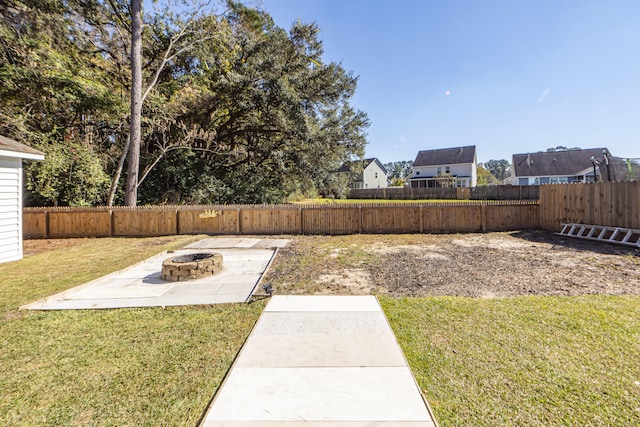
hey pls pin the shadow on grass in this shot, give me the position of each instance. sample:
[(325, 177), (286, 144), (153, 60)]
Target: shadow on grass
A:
[(541, 236)]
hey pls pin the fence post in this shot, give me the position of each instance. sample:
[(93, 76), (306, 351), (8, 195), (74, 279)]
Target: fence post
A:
[(421, 222), (239, 222), (177, 221), (483, 218), (360, 211), (46, 224), (300, 221), (111, 224)]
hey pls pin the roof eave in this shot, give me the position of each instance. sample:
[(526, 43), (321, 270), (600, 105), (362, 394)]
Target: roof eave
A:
[(21, 155)]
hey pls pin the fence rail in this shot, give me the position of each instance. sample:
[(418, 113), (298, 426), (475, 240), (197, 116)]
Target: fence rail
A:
[(615, 204), (280, 219), (494, 192)]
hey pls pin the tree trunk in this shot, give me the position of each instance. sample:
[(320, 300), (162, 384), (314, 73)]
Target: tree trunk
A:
[(131, 186), (116, 177)]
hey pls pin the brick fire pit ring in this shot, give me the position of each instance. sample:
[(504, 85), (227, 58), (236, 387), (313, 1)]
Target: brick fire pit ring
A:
[(191, 266)]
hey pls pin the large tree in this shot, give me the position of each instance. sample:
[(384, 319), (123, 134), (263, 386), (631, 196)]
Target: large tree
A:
[(58, 96), (500, 169), (234, 108), (266, 121)]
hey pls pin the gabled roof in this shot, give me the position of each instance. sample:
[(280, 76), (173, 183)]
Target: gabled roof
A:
[(557, 163), (446, 156), (346, 166), (11, 148)]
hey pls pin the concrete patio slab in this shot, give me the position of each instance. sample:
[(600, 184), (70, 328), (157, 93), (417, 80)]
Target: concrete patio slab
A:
[(141, 286), (320, 360), (322, 303), (238, 242)]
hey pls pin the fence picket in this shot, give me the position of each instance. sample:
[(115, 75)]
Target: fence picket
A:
[(607, 204)]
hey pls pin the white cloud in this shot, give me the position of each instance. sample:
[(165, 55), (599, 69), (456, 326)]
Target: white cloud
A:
[(544, 95)]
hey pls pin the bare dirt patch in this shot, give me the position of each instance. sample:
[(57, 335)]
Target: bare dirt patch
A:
[(36, 246), (486, 265)]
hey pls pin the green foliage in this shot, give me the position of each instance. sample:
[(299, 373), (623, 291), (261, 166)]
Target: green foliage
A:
[(561, 148), (400, 169), (397, 182), (265, 123), (243, 111), (485, 177), (72, 174), (500, 169), (56, 97), (336, 186)]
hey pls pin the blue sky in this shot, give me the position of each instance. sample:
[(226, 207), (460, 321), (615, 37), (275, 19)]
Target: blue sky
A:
[(507, 76)]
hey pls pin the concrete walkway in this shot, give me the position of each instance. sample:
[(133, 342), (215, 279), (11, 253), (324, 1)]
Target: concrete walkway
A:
[(320, 360)]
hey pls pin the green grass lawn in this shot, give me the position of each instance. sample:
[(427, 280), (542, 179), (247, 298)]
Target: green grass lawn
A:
[(527, 361), (126, 367)]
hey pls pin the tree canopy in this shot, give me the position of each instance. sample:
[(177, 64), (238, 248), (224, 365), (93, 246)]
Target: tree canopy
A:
[(235, 109), (500, 169)]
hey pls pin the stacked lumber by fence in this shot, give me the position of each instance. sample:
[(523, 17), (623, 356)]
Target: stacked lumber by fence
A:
[(449, 217), (613, 204), (494, 192)]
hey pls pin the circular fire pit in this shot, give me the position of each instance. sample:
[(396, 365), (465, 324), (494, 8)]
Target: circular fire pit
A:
[(191, 266)]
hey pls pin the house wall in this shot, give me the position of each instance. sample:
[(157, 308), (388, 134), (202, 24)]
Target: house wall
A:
[(374, 176), (461, 169), (474, 171), (582, 176), (10, 209)]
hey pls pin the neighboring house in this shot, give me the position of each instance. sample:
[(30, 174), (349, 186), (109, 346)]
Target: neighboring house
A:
[(557, 166), (11, 155), (446, 167), (620, 169), (373, 174)]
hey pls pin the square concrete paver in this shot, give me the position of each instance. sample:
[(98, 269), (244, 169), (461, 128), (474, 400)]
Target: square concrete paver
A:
[(141, 286), (320, 360)]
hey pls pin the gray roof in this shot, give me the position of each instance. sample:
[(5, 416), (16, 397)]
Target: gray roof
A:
[(11, 145), (346, 166), (558, 163), (446, 156)]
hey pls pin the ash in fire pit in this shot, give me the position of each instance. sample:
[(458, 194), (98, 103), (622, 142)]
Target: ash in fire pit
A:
[(191, 266), (191, 258)]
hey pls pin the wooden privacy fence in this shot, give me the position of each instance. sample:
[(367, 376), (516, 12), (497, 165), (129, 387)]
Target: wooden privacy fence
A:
[(493, 192), (280, 219), (613, 204)]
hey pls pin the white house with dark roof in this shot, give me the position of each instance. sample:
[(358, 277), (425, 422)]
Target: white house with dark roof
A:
[(557, 167), (373, 175), (11, 155), (445, 167)]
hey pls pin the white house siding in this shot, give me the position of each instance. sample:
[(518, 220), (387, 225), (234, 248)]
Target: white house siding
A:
[(374, 177), (466, 170), (10, 209), (582, 176)]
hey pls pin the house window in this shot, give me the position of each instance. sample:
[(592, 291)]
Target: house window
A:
[(439, 170), (417, 172), (447, 169)]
